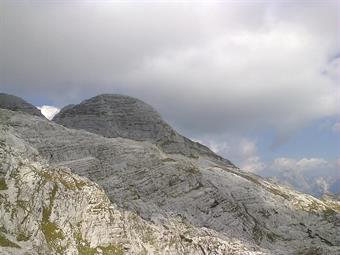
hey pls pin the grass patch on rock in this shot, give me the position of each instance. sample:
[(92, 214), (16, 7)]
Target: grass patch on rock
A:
[(4, 242), (84, 248), (3, 185), (53, 234), (22, 237)]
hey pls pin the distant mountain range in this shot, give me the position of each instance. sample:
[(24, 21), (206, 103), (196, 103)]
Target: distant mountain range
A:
[(314, 184)]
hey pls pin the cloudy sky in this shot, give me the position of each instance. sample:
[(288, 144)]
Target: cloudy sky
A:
[(257, 81)]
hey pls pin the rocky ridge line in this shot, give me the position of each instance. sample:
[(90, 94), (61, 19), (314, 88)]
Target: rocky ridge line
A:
[(112, 115), (15, 103)]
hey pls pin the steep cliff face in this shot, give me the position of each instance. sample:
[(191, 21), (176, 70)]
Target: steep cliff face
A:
[(172, 191), (17, 104), (123, 116)]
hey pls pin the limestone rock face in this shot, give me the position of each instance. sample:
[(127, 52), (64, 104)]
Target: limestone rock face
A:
[(185, 200), (123, 116), (15, 103), (50, 210)]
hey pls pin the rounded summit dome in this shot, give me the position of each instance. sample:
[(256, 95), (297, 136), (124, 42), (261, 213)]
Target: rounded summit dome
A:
[(15, 103), (113, 115)]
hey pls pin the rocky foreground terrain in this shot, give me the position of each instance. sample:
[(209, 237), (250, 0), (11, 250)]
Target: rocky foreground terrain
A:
[(109, 176)]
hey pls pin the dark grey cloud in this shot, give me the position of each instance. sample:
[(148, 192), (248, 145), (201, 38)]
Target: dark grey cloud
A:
[(208, 67)]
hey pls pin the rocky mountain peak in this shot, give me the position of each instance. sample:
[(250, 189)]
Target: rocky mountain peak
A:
[(113, 115), (15, 103)]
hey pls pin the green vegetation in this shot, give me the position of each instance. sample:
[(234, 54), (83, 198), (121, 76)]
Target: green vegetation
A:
[(168, 160), (4, 242), (51, 231), (57, 176), (334, 205), (23, 204), (312, 207), (192, 169), (4, 118), (310, 251), (112, 250), (86, 250), (279, 193), (147, 233), (22, 237), (329, 212), (148, 236), (257, 233), (3, 229), (84, 247), (3, 185), (272, 236)]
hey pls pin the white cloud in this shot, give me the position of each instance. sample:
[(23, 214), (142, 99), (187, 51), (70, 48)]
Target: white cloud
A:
[(251, 161), (338, 163), (333, 69), (284, 164), (244, 153), (253, 164), (306, 164), (311, 175), (301, 165), (48, 111), (241, 151), (219, 67), (323, 184), (336, 127), (248, 148)]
